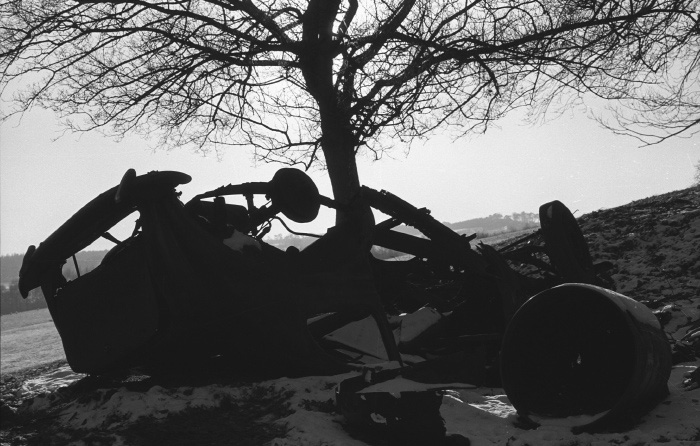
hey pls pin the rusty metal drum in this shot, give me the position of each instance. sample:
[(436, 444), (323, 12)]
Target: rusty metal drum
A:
[(585, 357)]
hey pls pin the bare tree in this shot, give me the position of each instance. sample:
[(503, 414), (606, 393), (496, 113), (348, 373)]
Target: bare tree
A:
[(303, 81), (665, 109)]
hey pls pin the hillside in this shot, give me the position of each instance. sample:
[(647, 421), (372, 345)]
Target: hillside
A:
[(654, 244), (493, 225), (10, 265), (486, 226)]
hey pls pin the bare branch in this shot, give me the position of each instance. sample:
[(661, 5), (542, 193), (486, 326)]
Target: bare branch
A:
[(314, 81)]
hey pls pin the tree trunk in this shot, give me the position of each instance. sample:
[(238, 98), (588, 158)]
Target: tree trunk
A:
[(339, 152), (316, 63), (338, 147)]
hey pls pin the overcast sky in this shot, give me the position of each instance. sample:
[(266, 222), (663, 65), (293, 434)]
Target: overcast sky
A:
[(512, 169)]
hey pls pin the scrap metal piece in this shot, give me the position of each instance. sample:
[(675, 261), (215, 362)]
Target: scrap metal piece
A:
[(586, 355), (450, 245), (565, 245)]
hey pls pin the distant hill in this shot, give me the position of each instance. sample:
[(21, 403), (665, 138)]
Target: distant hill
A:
[(483, 227), (498, 222), (487, 226), (10, 265)]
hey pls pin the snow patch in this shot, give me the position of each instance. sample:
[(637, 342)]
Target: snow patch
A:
[(61, 377), (401, 384), (484, 415)]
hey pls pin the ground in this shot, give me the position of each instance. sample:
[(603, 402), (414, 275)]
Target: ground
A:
[(653, 244)]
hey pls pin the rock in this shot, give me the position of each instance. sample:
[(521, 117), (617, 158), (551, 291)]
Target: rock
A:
[(629, 285), (8, 415)]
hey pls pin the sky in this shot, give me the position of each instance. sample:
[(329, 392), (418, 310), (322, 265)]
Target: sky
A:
[(513, 168)]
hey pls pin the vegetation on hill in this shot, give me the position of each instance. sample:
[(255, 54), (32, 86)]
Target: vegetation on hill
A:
[(482, 227), (11, 300), (11, 263), (516, 221), (488, 226)]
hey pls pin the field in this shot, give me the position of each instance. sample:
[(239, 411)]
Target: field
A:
[(28, 339)]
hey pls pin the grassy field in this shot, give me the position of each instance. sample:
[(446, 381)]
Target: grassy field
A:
[(28, 339)]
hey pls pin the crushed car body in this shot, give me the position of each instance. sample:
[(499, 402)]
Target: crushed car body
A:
[(196, 282)]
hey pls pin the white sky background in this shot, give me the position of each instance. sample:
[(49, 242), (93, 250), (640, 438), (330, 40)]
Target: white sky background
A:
[(513, 168)]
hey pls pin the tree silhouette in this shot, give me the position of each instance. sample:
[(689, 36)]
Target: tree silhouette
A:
[(307, 81)]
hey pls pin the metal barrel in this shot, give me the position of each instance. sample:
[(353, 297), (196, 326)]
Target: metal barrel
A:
[(586, 357)]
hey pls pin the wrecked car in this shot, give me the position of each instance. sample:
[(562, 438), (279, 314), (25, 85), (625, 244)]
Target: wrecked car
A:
[(191, 283), (197, 282)]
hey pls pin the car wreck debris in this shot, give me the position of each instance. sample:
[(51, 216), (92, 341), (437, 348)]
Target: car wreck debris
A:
[(402, 416), (197, 283)]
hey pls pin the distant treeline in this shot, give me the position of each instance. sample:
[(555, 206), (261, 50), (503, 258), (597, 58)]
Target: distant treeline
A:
[(517, 221), (11, 300), (87, 260), (488, 226), (10, 265), (483, 227)]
